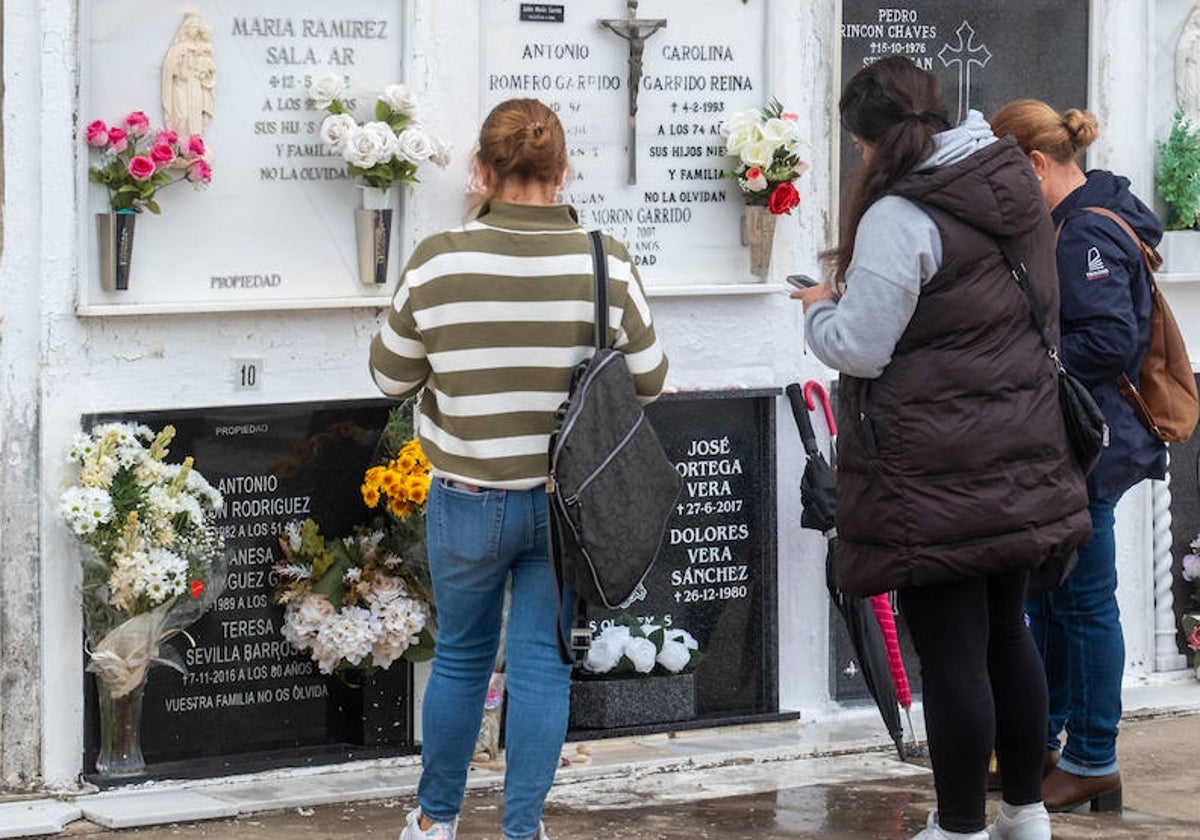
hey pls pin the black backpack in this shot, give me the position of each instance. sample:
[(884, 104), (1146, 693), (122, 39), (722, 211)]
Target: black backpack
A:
[(611, 486)]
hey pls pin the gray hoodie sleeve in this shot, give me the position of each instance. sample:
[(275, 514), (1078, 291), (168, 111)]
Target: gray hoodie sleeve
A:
[(898, 247)]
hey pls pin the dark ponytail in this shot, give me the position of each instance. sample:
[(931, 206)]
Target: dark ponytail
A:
[(897, 108)]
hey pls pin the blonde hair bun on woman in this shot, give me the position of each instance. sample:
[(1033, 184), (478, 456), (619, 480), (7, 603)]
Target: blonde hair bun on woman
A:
[(1082, 126)]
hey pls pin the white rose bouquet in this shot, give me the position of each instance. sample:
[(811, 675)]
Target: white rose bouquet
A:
[(629, 647), (153, 561), (767, 144), (381, 152)]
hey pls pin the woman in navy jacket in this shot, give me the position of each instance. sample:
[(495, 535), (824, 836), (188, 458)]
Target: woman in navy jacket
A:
[(1105, 319)]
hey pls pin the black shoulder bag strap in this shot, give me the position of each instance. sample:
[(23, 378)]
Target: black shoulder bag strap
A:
[(575, 650), (1021, 275)]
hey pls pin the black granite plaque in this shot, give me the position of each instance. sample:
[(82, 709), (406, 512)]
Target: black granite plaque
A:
[(247, 692), (1185, 519), (715, 575), (986, 52)]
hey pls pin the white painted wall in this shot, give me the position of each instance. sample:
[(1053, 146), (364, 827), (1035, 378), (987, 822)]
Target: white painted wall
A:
[(55, 366)]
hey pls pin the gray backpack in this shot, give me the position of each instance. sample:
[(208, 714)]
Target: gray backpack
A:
[(611, 486)]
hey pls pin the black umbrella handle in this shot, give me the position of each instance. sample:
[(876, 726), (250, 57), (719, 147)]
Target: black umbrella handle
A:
[(795, 395)]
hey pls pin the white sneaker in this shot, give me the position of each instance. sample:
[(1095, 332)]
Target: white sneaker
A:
[(1021, 822), (541, 835), (437, 831), (933, 831)]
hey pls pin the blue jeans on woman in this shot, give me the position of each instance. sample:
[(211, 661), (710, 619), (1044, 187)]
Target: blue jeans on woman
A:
[(1078, 630), (477, 541)]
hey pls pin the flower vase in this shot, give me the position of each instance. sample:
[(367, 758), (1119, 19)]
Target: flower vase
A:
[(758, 231), (114, 233), (373, 234), (614, 702), (120, 732)]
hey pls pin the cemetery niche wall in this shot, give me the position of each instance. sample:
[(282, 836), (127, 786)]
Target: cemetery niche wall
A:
[(276, 228), (642, 90), (250, 700), (714, 576)]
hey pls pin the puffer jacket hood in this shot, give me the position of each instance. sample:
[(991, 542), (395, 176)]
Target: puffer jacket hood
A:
[(1104, 189), (993, 190)]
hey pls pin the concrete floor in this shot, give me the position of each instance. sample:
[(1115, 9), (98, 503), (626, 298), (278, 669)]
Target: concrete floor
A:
[(854, 796)]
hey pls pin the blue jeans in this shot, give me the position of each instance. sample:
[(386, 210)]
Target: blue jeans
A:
[(476, 542), (1078, 630)]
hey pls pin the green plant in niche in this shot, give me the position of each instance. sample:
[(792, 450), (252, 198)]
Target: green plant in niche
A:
[(1177, 176)]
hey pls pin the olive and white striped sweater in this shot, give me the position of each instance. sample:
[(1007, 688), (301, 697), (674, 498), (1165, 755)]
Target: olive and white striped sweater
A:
[(491, 319)]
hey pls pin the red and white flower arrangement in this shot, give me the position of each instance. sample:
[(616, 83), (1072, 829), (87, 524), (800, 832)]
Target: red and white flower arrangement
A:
[(137, 161), (766, 142)]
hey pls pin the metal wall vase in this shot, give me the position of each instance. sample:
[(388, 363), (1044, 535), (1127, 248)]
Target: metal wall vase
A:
[(758, 231), (373, 230), (114, 233)]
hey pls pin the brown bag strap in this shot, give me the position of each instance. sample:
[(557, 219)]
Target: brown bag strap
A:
[(1153, 260)]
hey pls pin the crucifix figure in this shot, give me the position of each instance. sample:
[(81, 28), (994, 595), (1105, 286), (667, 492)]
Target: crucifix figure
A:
[(634, 30), (964, 55)]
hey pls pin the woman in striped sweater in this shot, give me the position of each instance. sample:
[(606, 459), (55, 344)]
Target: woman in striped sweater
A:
[(488, 323)]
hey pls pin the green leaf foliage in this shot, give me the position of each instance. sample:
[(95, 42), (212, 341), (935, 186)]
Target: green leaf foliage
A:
[(1177, 175)]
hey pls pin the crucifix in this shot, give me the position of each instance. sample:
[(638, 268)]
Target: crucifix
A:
[(635, 30), (964, 55)]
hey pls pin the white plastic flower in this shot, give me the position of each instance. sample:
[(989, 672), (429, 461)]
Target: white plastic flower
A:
[(326, 88), (400, 99), (674, 656), (336, 129), (758, 153), (780, 132), (750, 118), (415, 145), (738, 140), (441, 152), (641, 653), (370, 144)]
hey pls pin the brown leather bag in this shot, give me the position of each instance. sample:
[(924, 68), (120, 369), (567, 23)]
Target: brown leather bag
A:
[(1165, 399)]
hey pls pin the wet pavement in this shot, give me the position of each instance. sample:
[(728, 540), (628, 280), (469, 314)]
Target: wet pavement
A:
[(842, 797)]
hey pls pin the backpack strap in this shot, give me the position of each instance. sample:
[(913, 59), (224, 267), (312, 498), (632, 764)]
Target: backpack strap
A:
[(600, 272)]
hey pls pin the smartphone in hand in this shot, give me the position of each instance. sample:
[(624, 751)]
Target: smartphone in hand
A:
[(801, 281)]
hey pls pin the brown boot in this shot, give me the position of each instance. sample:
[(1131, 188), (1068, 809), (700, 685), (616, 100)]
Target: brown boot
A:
[(1063, 791)]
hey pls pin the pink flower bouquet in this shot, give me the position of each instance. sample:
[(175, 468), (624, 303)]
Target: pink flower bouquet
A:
[(136, 161)]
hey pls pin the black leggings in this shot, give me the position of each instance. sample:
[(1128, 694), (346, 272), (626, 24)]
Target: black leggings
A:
[(983, 685)]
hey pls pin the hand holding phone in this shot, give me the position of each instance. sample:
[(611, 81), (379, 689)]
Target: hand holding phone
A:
[(801, 281)]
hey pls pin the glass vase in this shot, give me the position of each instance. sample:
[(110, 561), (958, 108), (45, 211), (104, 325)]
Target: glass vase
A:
[(120, 733)]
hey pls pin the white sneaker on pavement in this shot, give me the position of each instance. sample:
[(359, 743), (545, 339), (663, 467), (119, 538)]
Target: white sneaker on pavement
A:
[(437, 831), (541, 835), (933, 831), (1021, 822)]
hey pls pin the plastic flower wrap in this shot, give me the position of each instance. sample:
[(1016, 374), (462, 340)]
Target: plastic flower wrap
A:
[(767, 144), (137, 161), (380, 152), (153, 562), (629, 647)]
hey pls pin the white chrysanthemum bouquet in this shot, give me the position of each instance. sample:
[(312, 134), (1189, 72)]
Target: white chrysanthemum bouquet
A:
[(629, 647), (353, 603), (153, 560), (380, 152)]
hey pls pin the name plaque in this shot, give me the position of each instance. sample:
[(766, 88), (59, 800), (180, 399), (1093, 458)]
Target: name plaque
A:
[(642, 90), (715, 573), (985, 53), (276, 225)]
